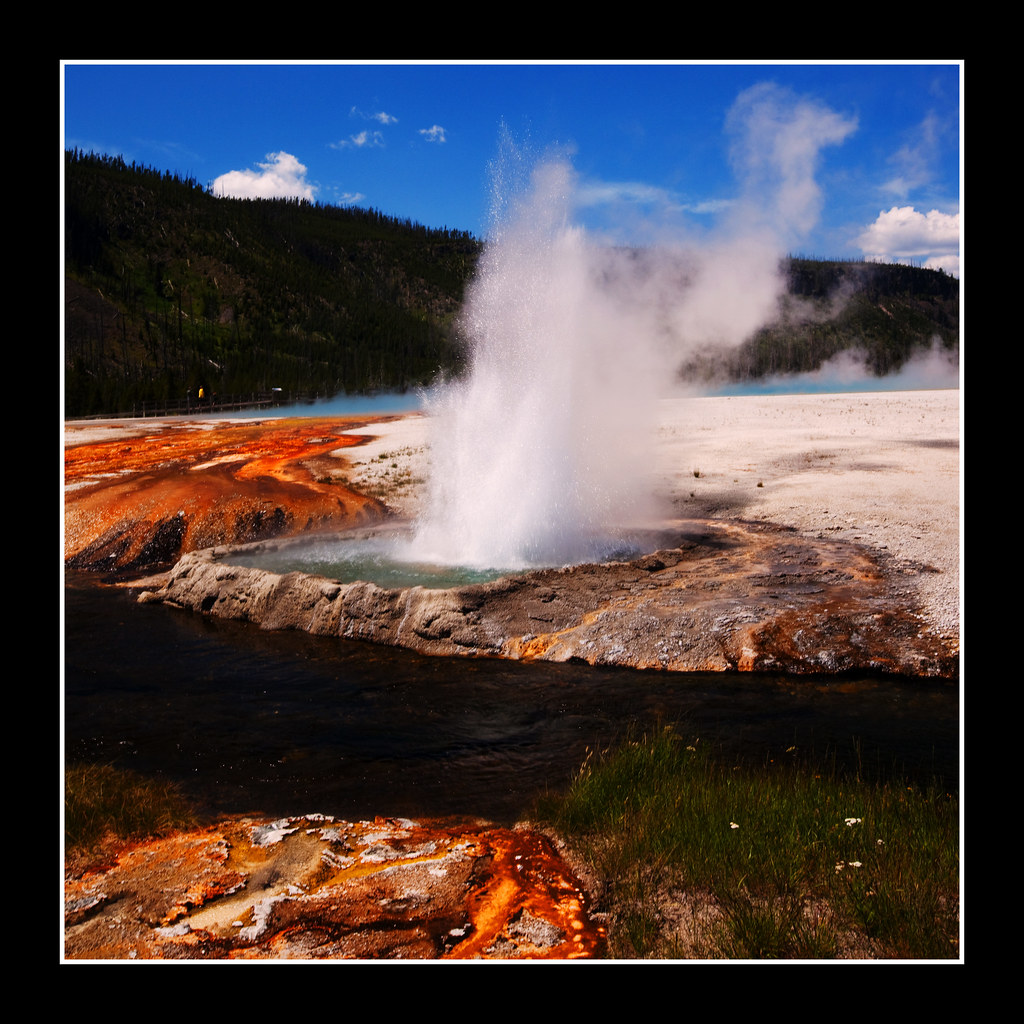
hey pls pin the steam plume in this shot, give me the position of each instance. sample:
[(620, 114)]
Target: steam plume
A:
[(539, 454)]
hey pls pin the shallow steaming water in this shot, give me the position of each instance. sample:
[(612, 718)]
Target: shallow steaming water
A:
[(385, 560)]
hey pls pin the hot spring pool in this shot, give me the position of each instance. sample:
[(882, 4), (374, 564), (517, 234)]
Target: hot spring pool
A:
[(386, 560), (392, 560)]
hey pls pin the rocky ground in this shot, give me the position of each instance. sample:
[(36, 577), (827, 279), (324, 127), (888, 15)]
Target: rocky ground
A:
[(797, 533), (316, 888), (829, 542), (878, 469), (705, 596)]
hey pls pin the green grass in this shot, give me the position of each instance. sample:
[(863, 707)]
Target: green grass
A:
[(704, 859), (102, 801)]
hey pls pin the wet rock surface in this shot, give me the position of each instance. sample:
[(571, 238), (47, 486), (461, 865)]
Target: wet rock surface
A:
[(708, 596), (312, 887)]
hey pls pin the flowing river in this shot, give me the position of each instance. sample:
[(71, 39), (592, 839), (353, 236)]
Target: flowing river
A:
[(248, 720)]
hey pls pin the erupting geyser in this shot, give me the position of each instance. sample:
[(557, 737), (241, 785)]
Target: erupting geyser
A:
[(540, 453), (540, 459), (537, 453)]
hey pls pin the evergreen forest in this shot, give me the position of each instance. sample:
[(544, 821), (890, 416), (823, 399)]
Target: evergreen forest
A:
[(169, 289)]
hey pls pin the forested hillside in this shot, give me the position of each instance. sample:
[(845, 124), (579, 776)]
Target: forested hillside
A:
[(169, 289), (886, 312)]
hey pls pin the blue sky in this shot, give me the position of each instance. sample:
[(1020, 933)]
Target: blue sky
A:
[(844, 160)]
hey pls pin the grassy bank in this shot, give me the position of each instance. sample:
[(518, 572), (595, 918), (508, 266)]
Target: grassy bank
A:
[(695, 857), (101, 801), (700, 859)]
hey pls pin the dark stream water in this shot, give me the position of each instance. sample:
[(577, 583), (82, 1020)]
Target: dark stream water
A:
[(284, 723)]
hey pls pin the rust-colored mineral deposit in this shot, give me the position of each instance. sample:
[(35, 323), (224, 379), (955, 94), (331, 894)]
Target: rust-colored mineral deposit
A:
[(140, 501), (314, 888)]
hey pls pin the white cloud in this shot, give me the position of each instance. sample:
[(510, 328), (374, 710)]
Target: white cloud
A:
[(361, 140), (282, 176), (710, 206), (435, 133), (949, 262), (639, 193), (369, 138), (903, 233), (914, 160), (597, 193), (381, 115)]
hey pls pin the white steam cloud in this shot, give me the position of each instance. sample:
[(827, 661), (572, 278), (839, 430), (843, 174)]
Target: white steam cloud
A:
[(281, 177), (537, 453), (776, 152), (734, 281), (935, 368)]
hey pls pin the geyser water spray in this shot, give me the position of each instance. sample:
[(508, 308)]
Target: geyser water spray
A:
[(539, 454)]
